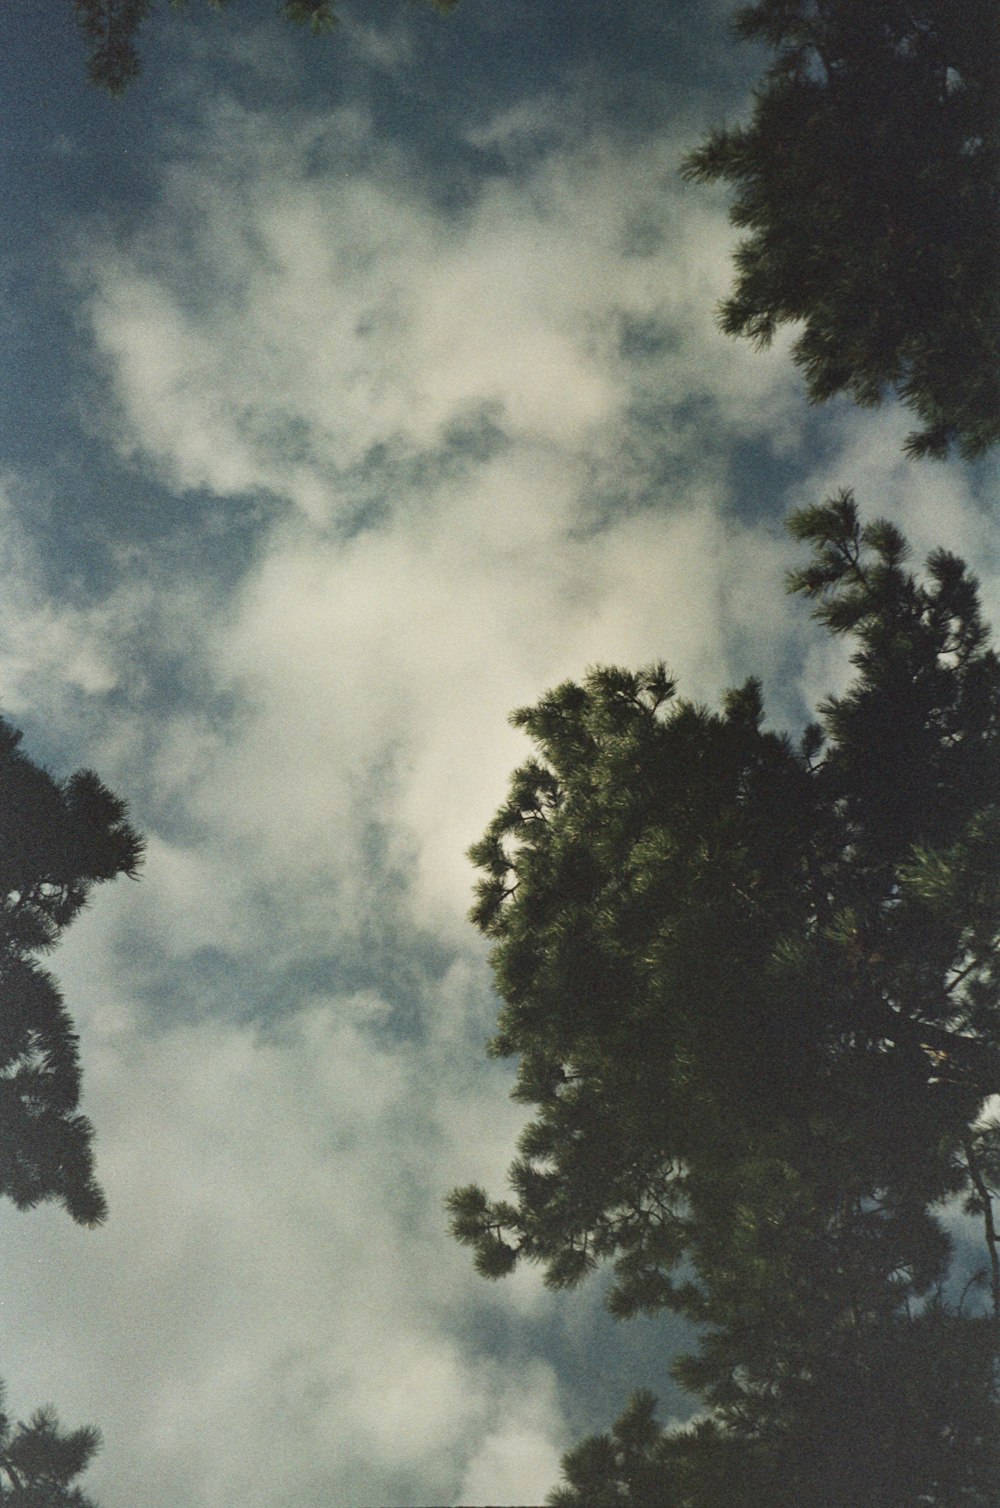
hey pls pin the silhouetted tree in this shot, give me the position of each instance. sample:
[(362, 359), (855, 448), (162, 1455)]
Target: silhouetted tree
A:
[(868, 179), (754, 993), (918, 1424), (111, 29), (39, 1462), (57, 840)]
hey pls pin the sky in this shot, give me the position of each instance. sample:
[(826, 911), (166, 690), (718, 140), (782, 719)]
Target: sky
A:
[(358, 390)]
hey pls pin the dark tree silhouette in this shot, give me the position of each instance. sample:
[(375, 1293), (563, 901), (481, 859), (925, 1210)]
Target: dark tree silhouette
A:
[(39, 1462), (868, 180), (111, 29), (754, 993), (57, 840)]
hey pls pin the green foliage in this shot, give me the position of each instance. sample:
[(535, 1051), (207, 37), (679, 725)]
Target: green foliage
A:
[(867, 178), (57, 840), (753, 991), (39, 1463), (111, 30), (316, 14), (910, 1420), (626, 1466)]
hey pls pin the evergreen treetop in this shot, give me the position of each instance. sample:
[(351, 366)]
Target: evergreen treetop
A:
[(868, 182), (58, 839), (752, 986)]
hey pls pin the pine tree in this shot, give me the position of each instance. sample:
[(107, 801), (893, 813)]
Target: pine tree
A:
[(111, 30), (57, 840), (868, 180), (753, 990), (39, 1462)]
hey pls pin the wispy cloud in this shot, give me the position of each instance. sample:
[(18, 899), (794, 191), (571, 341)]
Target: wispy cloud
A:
[(299, 301), (500, 440), (272, 1300)]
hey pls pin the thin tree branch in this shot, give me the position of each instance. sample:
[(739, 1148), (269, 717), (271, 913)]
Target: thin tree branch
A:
[(989, 1223)]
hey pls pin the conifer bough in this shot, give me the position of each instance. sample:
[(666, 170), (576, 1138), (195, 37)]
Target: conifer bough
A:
[(58, 839), (111, 29), (753, 990), (868, 180)]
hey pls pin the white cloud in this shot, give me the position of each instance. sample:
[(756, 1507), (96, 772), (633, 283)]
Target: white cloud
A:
[(936, 504), (516, 1462), (274, 1299), (502, 440), (274, 323), (321, 335)]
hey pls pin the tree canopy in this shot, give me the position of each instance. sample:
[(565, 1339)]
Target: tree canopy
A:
[(753, 989), (111, 30), (58, 839), (39, 1462), (868, 180)]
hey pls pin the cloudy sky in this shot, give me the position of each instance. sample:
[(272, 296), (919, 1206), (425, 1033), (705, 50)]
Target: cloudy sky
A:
[(357, 391)]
